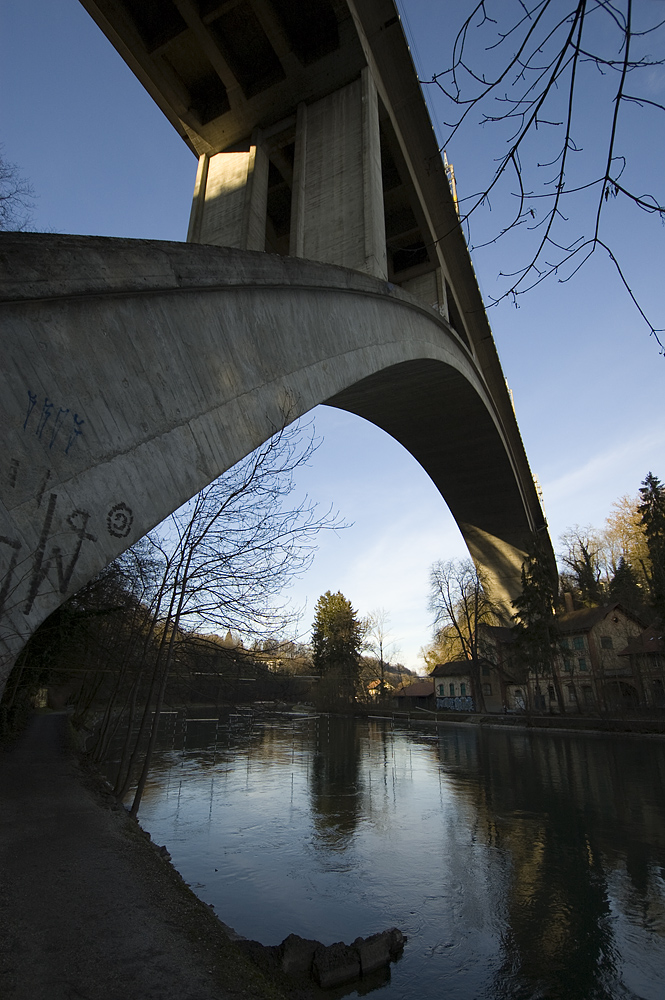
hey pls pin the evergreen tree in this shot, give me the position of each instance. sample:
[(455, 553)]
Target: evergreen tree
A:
[(652, 517), (535, 629), (624, 587), (336, 642)]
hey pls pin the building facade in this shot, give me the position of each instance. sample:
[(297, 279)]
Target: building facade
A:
[(604, 662)]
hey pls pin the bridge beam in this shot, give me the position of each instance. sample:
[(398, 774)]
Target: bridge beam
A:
[(334, 191)]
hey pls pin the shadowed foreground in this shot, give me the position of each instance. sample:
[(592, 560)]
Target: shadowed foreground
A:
[(87, 907)]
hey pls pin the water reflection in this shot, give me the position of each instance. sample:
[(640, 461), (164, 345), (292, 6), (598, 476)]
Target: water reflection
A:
[(335, 786), (564, 811), (521, 865)]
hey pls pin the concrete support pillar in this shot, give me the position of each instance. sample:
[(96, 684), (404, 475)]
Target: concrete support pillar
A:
[(430, 288), (230, 199), (337, 197)]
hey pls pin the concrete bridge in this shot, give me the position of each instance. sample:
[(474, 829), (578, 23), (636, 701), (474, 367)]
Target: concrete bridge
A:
[(135, 372)]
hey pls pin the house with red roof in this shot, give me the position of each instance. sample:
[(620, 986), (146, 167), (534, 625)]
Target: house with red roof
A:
[(420, 694)]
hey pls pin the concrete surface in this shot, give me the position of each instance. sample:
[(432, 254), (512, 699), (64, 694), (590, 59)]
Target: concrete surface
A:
[(135, 372)]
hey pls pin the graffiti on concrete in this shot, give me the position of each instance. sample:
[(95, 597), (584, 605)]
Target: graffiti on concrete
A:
[(44, 417), (32, 397), (50, 423), (119, 520), (462, 703), (42, 488), (60, 559), (9, 573), (75, 432), (45, 558), (43, 561)]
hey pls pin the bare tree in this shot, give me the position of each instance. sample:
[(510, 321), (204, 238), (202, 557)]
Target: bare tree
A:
[(378, 642), (17, 198), (461, 607), (584, 560), (624, 539), (226, 559), (532, 69)]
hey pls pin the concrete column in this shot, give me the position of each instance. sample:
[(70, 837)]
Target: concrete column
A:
[(230, 200), (337, 203), (428, 288), (297, 234), (198, 200)]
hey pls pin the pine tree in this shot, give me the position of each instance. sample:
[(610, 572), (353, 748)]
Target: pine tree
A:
[(535, 628), (624, 587), (652, 517), (336, 642)]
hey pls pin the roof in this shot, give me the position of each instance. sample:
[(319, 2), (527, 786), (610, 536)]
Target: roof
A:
[(456, 668), (421, 689), (500, 633), (652, 640), (585, 619)]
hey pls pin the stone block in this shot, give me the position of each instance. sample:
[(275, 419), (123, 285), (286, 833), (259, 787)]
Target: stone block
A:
[(298, 954), (336, 964), (379, 950), (397, 942), (374, 951)]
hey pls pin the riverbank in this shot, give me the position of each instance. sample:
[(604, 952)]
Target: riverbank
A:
[(88, 905), (549, 723)]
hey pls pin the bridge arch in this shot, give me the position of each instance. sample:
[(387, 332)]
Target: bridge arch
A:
[(137, 372)]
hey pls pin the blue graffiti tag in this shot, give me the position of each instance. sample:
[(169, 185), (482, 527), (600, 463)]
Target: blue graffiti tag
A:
[(70, 423)]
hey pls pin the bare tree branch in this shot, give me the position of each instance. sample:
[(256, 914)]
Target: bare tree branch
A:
[(527, 65), (17, 198)]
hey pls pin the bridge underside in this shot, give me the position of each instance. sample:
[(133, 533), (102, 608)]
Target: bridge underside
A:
[(136, 372)]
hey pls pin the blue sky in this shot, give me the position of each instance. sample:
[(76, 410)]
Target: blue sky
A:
[(587, 379)]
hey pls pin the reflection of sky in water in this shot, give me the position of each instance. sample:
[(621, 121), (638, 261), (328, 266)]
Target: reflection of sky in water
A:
[(520, 866)]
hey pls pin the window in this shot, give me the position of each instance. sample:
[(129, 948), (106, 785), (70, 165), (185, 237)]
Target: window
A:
[(550, 693), (606, 642), (578, 642), (583, 663), (452, 690), (567, 665), (571, 693), (486, 669), (487, 689), (564, 644), (462, 690), (441, 689)]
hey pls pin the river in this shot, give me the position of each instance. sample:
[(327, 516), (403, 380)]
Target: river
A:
[(519, 864)]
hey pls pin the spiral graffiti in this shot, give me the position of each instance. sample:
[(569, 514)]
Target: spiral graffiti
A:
[(119, 520)]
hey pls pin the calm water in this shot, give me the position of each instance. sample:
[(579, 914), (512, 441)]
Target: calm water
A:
[(519, 865)]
